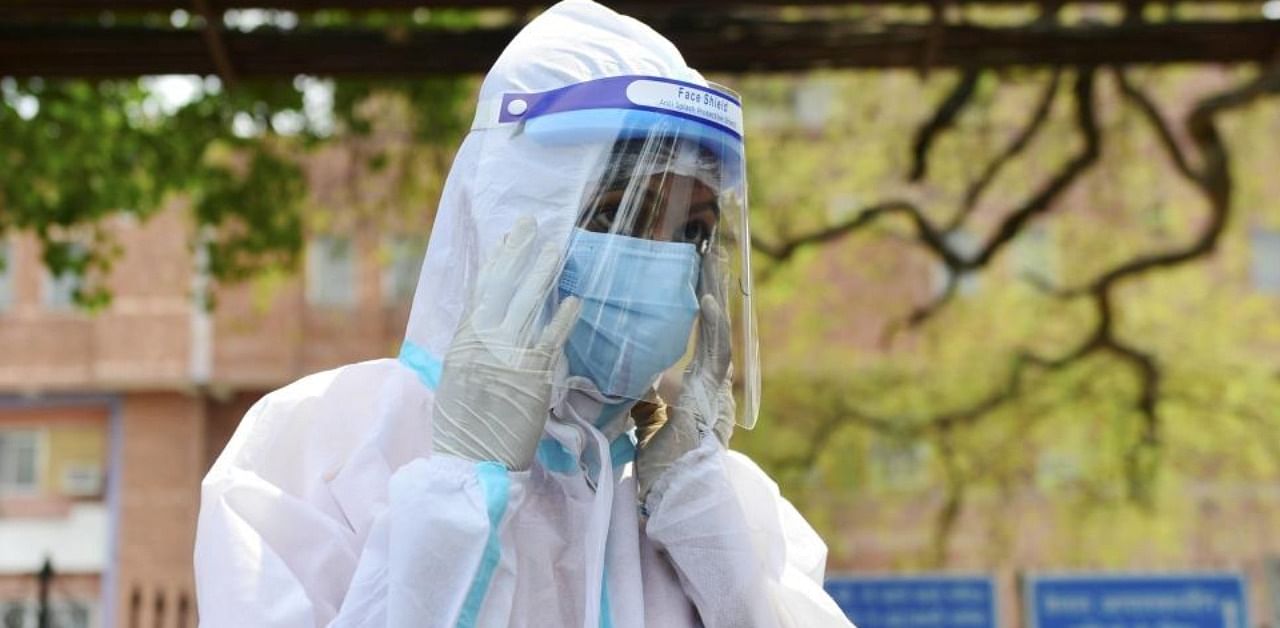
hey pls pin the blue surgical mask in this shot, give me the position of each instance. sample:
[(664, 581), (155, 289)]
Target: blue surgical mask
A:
[(639, 301)]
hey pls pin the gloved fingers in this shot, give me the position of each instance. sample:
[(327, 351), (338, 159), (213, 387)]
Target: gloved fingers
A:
[(711, 276), (561, 325), (714, 348), (531, 292), (726, 412), (500, 276)]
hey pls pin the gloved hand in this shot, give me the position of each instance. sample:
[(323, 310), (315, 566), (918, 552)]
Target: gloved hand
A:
[(495, 388), (705, 405)]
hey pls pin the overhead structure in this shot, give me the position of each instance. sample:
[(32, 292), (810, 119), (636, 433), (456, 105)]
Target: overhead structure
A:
[(250, 39)]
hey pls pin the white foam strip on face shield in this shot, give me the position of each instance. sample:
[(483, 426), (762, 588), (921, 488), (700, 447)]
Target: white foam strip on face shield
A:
[(689, 160)]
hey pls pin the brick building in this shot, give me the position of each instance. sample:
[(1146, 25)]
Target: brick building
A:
[(108, 421)]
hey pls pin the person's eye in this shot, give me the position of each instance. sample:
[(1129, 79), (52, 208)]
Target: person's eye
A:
[(602, 219), (697, 233)]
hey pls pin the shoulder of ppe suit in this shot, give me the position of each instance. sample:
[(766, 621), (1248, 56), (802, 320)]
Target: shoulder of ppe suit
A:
[(743, 467), (711, 468), (322, 415), (760, 497)]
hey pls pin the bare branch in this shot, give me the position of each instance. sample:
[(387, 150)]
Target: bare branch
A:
[(1214, 179), (824, 433), (1040, 202), (1140, 457), (943, 119), (1148, 108), (1043, 200), (925, 231), (935, 239), (953, 502), (922, 313), (1020, 142), (1211, 177)]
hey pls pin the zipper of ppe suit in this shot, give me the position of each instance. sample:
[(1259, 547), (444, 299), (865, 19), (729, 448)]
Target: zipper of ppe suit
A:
[(597, 537)]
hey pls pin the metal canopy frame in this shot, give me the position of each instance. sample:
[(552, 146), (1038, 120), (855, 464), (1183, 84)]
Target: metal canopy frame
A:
[(84, 38)]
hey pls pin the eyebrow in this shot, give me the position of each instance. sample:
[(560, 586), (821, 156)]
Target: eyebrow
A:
[(649, 196), (711, 206)]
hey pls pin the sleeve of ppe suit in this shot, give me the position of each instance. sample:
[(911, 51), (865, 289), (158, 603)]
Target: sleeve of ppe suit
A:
[(433, 552), (275, 546), (744, 555), (265, 555)]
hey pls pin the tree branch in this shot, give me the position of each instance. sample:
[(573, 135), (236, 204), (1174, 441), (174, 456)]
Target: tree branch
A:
[(921, 313), (1013, 224), (943, 119), (1212, 177), (1020, 142), (948, 515), (1043, 200), (924, 229), (1148, 108)]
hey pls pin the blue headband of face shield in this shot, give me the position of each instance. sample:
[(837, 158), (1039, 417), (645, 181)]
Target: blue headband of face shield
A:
[(620, 107)]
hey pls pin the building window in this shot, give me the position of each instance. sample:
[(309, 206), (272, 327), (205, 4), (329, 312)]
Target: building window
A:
[(899, 465), (81, 480), (6, 276), (19, 461), (813, 105), (1266, 260), (60, 290), (1035, 257), (400, 273), (62, 613), (331, 272), (1057, 468)]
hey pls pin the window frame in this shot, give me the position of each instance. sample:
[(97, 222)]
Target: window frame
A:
[(318, 296), (8, 263), (59, 610), (39, 439), (415, 248), (1264, 281), (51, 285)]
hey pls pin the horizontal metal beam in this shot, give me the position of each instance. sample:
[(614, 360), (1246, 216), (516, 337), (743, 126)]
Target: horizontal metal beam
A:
[(776, 46), (63, 7)]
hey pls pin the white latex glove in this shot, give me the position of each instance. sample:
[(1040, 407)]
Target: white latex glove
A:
[(495, 388), (705, 405)]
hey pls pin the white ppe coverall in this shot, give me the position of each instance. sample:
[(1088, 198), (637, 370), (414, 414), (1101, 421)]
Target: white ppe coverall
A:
[(328, 506)]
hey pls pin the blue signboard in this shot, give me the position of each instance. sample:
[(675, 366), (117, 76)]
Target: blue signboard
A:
[(916, 602), (1136, 601)]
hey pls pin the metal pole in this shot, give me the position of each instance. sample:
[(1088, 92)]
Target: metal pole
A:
[(46, 578)]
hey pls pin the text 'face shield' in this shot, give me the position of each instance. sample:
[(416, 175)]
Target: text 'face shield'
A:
[(655, 174)]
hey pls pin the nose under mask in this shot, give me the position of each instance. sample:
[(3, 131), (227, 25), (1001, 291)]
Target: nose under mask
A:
[(639, 302)]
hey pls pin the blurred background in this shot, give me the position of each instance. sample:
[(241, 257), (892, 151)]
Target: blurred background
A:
[(1017, 268)]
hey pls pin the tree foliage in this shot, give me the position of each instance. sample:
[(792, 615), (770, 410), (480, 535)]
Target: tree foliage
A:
[(1087, 332), (76, 152)]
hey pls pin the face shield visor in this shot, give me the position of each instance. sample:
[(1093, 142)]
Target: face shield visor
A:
[(653, 172)]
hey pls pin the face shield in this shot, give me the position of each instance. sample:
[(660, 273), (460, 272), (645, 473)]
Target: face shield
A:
[(653, 174)]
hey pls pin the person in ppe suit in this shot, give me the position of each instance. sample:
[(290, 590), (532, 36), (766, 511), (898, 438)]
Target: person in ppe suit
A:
[(549, 449)]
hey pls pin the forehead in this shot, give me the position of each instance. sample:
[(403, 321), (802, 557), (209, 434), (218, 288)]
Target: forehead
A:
[(661, 159), (666, 185)]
